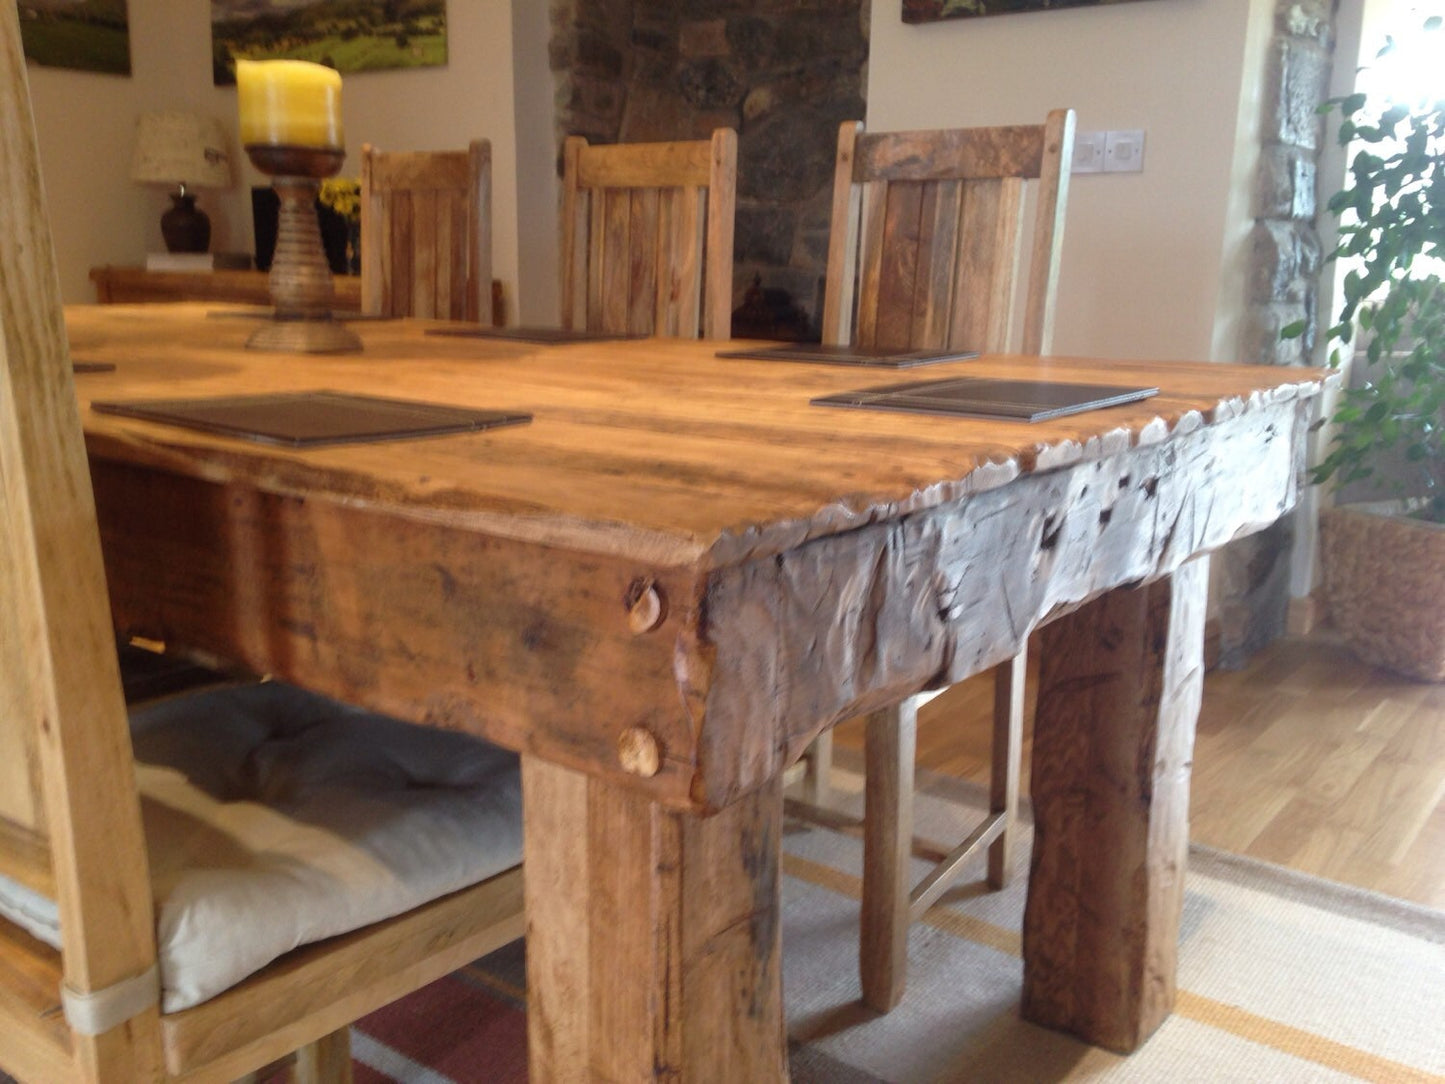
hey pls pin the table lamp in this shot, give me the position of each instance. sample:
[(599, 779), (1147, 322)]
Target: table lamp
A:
[(290, 114), (182, 149)]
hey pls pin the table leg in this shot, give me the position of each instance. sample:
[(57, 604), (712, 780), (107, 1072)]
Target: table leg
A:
[(1119, 688), (654, 950)]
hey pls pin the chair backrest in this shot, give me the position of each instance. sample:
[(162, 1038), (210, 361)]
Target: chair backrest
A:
[(426, 233), (647, 236), (65, 761), (928, 230)]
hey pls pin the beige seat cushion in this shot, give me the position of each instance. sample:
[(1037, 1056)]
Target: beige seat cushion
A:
[(276, 818)]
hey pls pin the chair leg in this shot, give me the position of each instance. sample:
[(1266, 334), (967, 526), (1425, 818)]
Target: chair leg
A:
[(1003, 787), (326, 1061), (818, 767), (283, 1068), (890, 737)]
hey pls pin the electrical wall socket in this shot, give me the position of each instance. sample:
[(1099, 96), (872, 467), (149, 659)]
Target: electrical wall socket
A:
[(1088, 152), (1124, 151)]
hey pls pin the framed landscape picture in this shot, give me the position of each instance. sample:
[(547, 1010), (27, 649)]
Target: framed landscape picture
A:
[(927, 11), (348, 35), (88, 35)]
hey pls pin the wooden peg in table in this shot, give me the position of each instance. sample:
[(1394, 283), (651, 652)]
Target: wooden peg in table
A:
[(639, 752), (646, 606)]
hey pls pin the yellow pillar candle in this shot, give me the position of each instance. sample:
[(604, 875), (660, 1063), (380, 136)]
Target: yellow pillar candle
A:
[(289, 102)]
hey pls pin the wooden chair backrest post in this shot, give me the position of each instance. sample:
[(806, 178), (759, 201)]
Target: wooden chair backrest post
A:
[(647, 236), (928, 233), (73, 735), (426, 233)]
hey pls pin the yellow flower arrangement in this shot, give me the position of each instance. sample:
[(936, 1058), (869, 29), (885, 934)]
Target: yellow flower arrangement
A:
[(342, 195)]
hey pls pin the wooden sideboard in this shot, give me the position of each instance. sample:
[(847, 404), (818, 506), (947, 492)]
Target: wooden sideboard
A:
[(124, 285), (117, 285)]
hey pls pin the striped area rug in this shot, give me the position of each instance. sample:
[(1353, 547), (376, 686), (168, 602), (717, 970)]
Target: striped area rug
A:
[(1283, 978)]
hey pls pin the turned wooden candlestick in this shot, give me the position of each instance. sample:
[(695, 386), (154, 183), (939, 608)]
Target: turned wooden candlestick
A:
[(300, 278)]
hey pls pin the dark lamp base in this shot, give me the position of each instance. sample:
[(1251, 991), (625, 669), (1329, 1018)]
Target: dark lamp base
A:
[(185, 226)]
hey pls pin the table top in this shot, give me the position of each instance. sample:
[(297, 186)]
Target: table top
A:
[(652, 449), (679, 553)]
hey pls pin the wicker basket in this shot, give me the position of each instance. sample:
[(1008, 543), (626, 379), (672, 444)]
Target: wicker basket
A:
[(1384, 579)]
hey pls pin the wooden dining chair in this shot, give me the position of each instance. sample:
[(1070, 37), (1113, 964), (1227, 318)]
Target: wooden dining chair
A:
[(426, 233), (647, 236), (927, 239), (191, 892)]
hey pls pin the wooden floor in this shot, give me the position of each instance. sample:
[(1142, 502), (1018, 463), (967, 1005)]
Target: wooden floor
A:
[(1309, 759)]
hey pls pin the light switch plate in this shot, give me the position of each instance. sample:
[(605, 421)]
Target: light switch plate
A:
[(1088, 152), (1124, 151)]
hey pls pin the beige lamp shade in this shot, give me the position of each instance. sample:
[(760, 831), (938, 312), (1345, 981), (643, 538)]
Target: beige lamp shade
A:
[(181, 148)]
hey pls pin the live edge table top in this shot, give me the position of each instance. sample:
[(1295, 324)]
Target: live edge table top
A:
[(748, 567)]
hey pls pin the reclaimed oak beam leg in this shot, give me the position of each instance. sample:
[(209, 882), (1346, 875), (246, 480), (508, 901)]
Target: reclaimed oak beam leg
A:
[(1119, 688), (654, 949)]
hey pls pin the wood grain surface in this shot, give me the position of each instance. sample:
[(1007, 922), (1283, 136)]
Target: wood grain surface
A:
[(813, 562)]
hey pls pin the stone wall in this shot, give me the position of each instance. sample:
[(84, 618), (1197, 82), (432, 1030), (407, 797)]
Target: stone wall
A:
[(1284, 283), (1253, 574), (784, 75)]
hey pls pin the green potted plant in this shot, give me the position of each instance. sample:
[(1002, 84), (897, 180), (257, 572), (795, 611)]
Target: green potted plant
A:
[(1384, 563)]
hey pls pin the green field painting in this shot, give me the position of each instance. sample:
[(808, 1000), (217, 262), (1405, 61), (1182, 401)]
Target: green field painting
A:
[(89, 35), (348, 35)]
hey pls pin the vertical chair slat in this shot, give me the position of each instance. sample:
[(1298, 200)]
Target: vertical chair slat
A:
[(933, 303), (575, 264), (376, 249), (616, 263), (986, 263), (401, 288), (842, 276), (686, 294), (664, 318), (445, 298), (642, 261), (1053, 196), (721, 199), (898, 266), (478, 250), (452, 257), (870, 276), (425, 210), (596, 253)]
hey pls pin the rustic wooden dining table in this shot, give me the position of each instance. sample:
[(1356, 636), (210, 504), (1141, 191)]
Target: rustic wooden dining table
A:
[(669, 582)]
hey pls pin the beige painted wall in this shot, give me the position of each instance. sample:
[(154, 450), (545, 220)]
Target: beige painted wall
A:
[(1152, 261), (85, 124)]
